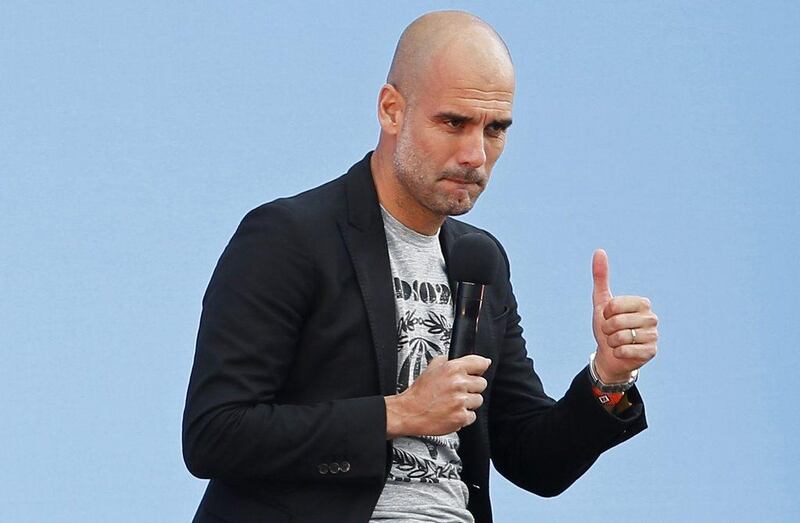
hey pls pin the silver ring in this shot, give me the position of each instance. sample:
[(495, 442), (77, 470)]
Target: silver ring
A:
[(633, 335)]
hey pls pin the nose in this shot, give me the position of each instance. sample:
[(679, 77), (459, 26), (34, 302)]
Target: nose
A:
[(472, 151)]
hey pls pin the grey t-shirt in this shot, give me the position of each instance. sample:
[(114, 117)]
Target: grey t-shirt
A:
[(425, 480)]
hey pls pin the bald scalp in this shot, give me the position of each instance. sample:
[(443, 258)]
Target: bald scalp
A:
[(428, 38)]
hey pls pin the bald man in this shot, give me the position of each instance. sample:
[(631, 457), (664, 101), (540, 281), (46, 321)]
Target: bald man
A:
[(321, 390)]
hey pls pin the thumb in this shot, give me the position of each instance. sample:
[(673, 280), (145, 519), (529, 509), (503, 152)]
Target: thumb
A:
[(601, 292)]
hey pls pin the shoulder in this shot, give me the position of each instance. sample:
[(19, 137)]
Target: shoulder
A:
[(309, 207), (284, 232), (282, 235)]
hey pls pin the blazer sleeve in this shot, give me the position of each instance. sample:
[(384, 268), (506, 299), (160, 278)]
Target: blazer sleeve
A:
[(253, 312), (538, 443)]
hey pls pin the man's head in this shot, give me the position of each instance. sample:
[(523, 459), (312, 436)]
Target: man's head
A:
[(443, 113)]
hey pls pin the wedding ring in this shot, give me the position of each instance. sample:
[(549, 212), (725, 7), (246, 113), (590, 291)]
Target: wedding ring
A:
[(633, 335)]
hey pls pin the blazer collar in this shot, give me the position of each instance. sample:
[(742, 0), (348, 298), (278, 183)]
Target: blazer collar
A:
[(363, 209)]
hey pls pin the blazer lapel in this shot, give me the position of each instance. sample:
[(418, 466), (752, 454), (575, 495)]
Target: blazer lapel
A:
[(365, 239)]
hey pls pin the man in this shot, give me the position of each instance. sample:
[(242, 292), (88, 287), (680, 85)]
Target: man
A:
[(320, 390)]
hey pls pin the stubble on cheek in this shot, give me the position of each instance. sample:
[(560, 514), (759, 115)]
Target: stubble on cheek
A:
[(439, 192)]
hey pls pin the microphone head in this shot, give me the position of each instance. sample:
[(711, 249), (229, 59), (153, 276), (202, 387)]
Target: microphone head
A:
[(473, 258)]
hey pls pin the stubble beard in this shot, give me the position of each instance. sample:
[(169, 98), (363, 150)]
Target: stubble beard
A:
[(411, 172)]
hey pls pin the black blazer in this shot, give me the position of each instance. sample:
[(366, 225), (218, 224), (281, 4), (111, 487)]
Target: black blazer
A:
[(297, 349)]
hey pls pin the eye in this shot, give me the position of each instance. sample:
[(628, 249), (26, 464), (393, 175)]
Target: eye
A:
[(496, 130), (454, 123)]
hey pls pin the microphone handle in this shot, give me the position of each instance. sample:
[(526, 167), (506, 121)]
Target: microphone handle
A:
[(469, 299)]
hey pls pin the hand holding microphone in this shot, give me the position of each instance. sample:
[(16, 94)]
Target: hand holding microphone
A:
[(447, 393)]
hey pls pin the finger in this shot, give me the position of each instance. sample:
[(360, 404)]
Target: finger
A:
[(601, 292), (641, 352), (476, 384), (473, 401), (469, 418), (625, 337), (624, 304), (634, 320), (471, 364)]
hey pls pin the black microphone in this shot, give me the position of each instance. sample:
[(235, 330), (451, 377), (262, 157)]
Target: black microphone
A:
[(473, 264)]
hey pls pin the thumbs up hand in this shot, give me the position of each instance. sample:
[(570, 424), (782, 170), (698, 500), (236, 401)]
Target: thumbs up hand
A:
[(624, 327)]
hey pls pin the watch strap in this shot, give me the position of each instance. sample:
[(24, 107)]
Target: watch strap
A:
[(609, 387)]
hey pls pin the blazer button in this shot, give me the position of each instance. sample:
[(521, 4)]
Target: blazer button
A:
[(345, 466), (335, 468), (323, 468)]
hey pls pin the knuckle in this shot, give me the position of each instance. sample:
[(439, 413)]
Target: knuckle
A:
[(452, 368), (646, 302)]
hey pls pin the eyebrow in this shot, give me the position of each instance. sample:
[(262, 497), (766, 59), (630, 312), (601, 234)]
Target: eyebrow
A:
[(502, 123)]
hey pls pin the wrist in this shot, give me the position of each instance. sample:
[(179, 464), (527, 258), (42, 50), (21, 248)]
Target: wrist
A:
[(608, 377), (608, 382), (611, 378), (394, 418)]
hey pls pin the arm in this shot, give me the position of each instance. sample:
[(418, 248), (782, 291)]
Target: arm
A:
[(540, 444), (253, 312)]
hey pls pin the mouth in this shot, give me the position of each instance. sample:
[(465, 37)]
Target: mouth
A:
[(463, 181)]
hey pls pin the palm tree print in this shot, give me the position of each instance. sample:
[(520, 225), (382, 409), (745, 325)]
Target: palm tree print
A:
[(415, 347)]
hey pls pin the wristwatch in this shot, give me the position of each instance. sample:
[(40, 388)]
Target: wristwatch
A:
[(610, 387)]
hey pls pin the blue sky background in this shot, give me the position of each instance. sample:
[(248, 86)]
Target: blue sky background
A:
[(134, 136)]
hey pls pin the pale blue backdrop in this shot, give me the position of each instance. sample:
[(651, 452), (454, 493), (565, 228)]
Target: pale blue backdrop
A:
[(134, 136)]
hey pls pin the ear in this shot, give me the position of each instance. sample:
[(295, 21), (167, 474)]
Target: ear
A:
[(391, 105)]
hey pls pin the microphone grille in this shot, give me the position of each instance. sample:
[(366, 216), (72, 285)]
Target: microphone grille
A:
[(473, 258)]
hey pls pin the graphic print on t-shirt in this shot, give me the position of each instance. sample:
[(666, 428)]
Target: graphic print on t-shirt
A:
[(424, 482), (424, 327), (421, 335), (423, 332)]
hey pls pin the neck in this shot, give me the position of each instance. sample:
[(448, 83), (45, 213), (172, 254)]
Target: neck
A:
[(395, 199)]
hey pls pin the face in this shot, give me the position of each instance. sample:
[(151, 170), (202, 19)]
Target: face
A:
[(453, 131)]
